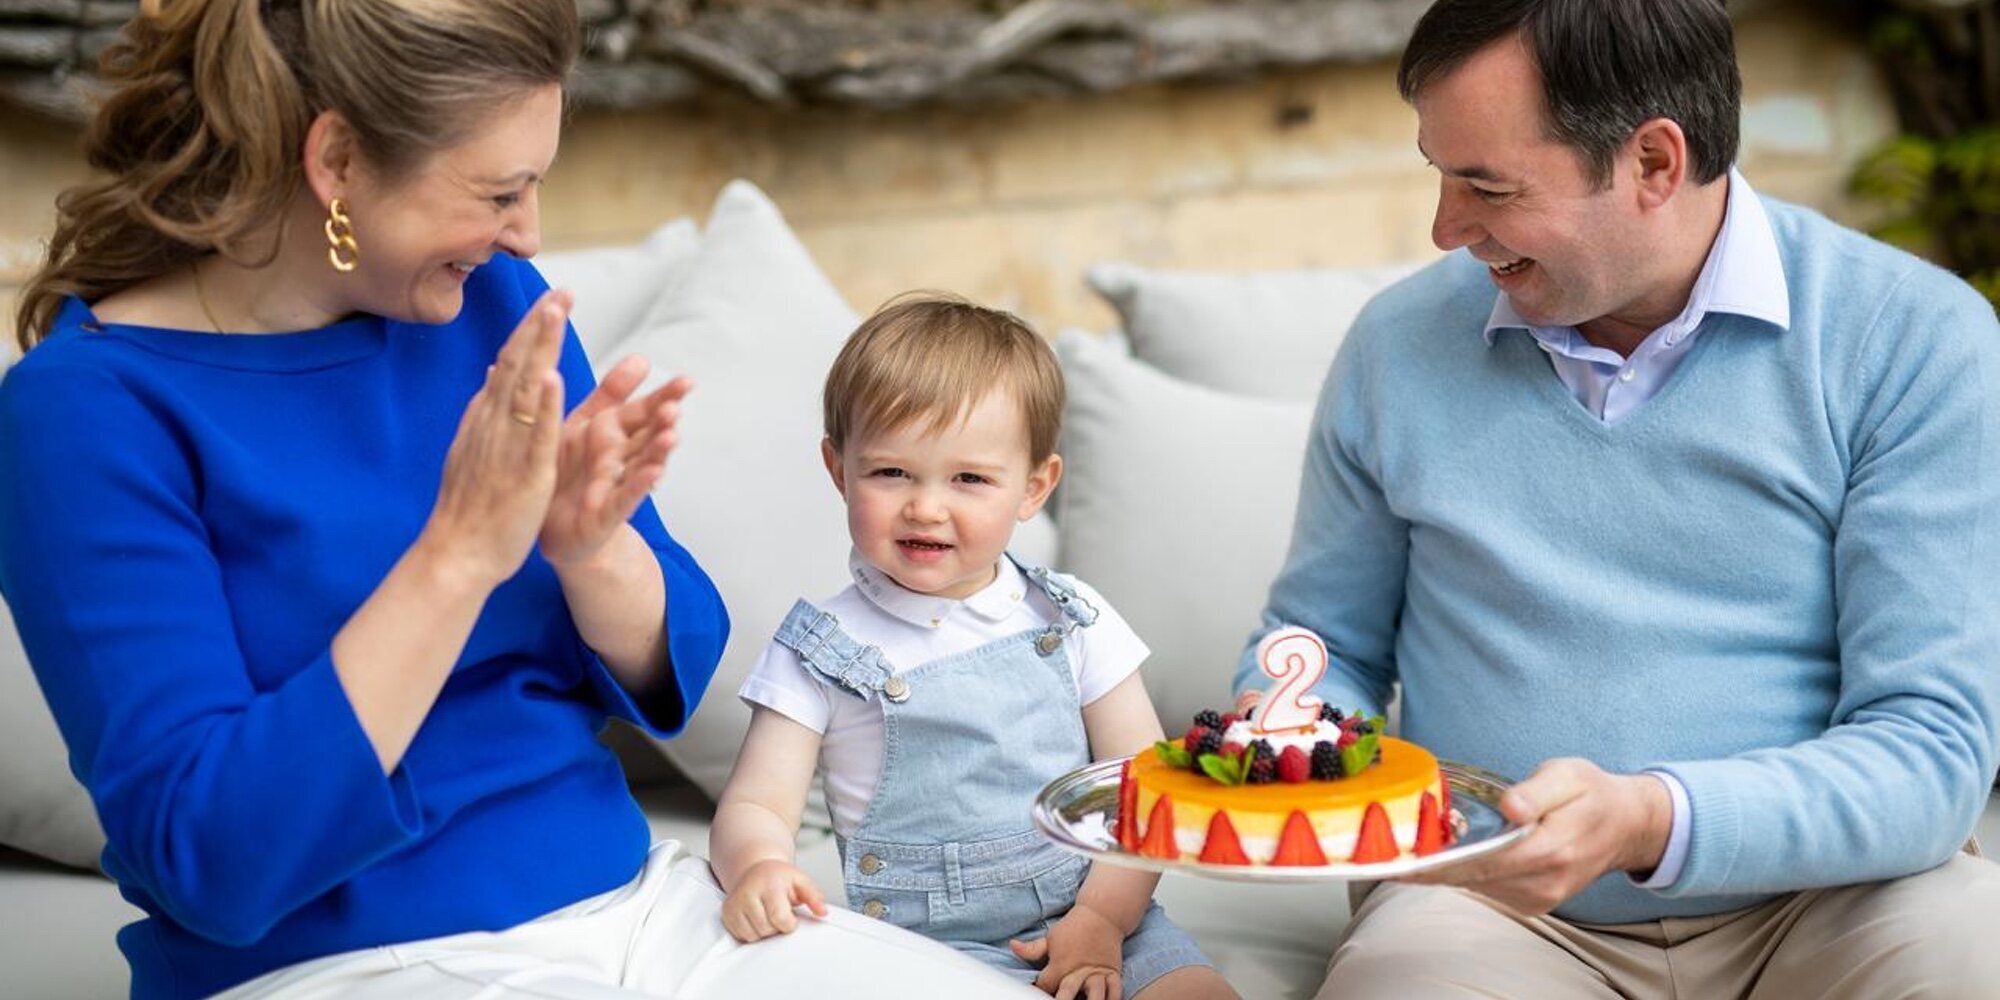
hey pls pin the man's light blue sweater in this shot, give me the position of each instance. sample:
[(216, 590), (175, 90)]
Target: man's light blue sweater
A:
[(1778, 580)]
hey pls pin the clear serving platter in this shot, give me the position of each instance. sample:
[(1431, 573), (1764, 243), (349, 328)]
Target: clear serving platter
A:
[(1078, 811)]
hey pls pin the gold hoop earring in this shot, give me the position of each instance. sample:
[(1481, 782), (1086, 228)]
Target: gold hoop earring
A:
[(341, 251)]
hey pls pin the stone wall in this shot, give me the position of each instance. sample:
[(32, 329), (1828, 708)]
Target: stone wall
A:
[(1009, 204)]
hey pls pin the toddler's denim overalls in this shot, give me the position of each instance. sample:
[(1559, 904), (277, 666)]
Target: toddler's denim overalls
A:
[(946, 847)]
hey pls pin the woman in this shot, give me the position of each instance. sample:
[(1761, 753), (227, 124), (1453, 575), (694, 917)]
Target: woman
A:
[(329, 643)]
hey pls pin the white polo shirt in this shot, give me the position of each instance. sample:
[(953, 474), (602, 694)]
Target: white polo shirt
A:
[(911, 630)]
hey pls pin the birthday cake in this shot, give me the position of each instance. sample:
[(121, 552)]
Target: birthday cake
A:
[(1297, 783)]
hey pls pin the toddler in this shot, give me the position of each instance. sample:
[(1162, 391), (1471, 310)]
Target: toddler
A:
[(949, 683)]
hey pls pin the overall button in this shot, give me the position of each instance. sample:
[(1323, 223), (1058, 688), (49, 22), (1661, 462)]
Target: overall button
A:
[(870, 864), (1048, 643), (875, 908), (897, 689), (1627, 375)]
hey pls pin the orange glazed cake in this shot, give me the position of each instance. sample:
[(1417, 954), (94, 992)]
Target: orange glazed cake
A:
[(1335, 791)]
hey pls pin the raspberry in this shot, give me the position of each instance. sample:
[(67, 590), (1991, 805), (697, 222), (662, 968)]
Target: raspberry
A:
[(1263, 772), (1208, 719), (1229, 719), (1293, 766), (1192, 741), (1231, 749), (1328, 713), (1326, 761), (1348, 738)]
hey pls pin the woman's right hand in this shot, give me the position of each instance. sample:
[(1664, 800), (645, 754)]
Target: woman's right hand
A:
[(764, 899), (501, 469)]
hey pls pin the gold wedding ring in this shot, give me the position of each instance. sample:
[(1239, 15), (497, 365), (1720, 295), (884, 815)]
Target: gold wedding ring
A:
[(524, 419)]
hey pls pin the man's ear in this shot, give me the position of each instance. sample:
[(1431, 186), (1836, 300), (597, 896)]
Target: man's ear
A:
[(831, 456), (1041, 482), (332, 159), (1658, 154)]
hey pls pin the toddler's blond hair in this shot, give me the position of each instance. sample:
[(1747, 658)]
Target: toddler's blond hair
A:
[(932, 356)]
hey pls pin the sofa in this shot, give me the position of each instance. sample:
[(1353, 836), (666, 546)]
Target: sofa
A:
[(1182, 441)]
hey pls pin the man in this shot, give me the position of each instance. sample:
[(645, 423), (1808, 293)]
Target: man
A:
[(1680, 505)]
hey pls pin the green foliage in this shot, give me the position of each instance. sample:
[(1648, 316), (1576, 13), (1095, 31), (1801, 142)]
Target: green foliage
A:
[(1230, 769), (1937, 185)]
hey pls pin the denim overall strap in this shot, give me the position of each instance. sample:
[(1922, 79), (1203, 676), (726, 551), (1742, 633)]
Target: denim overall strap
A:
[(830, 653), (1077, 611)]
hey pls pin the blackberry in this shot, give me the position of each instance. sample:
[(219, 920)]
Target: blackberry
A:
[(1209, 742), (1264, 751), (1208, 718), (1328, 713), (1326, 761), (1263, 771)]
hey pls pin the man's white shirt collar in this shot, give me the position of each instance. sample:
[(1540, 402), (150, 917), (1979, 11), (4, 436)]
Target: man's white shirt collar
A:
[(1743, 274), (992, 603)]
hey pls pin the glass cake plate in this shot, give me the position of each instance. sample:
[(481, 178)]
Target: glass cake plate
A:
[(1076, 811)]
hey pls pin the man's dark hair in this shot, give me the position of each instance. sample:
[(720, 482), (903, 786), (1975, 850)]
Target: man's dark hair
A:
[(1607, 66)]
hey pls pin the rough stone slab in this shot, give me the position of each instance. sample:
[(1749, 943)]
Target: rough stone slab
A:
[(70, 11), (36, 47), (109, 13), (50, 97), (645, 52)]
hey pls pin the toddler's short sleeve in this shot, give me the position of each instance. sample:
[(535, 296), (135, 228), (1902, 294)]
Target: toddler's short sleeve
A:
[(1105, 653), (782, 684)]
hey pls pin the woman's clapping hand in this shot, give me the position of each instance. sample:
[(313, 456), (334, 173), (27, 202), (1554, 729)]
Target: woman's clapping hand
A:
[(501, 470), (613, 449)]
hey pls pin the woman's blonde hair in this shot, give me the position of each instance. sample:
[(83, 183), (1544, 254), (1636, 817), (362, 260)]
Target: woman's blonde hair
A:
[(201, 141), (932, 357)]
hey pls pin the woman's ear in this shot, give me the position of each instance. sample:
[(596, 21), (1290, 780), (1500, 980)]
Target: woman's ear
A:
[(831, 456), (1041, 482), (332, 157)]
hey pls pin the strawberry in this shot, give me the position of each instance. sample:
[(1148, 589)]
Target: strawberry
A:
[(1127, 826), (1347, 738), (1222, 846), (1159, 842), (1294, 766), (1298, 845), (1376, 842), (1430, 827)]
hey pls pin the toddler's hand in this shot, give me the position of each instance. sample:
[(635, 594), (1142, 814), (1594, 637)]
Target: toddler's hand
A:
[(762, 903), (1084, 952)]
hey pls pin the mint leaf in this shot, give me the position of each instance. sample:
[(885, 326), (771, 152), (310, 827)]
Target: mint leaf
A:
[(1356, 756), (1173, 754), (1220, 768)]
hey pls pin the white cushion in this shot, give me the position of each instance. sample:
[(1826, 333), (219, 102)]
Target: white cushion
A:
[(616, 286), (1177, 504), (757, 325), (43, 810), (1270, 332)]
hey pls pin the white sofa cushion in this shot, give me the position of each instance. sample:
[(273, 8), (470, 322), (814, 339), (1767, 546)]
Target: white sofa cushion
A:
[(1177, 505), (756, 325), (1264, 333), (616, 286)]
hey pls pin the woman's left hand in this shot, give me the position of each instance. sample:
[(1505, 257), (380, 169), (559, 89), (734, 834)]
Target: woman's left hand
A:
[(613, 449)]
